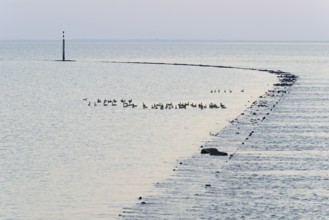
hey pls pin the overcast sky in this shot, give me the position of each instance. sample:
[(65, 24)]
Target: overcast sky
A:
[(291, 20)]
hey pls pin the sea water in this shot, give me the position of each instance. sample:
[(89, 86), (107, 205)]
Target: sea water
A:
[(278, 163), (61, 158)]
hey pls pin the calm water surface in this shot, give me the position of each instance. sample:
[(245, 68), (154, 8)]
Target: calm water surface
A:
[(60, 158)]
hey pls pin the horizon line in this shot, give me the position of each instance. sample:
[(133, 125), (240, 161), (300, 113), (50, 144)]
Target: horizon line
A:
[(168, 40)]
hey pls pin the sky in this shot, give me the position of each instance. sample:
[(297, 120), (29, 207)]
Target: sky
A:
[(229, 20)]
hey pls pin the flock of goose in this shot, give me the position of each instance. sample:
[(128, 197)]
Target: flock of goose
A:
[(128, 103)]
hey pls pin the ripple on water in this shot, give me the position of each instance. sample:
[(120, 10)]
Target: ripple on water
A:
[(280, 171)]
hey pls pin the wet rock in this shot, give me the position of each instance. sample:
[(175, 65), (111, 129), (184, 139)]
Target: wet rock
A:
[(213, 152)]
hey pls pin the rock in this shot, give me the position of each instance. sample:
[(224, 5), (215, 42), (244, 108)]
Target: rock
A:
[(208, 150), (213, 152)]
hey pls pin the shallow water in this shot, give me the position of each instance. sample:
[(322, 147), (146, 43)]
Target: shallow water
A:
[(60, 158), (279, 172)]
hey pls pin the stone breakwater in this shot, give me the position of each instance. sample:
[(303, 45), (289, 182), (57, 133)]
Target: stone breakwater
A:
[(276, 165)]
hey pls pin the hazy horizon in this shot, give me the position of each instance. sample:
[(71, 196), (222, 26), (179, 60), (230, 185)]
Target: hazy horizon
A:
[(164, 40), (207, 20)]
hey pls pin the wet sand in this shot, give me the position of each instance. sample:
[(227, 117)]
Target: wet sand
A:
[(277, 165)]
